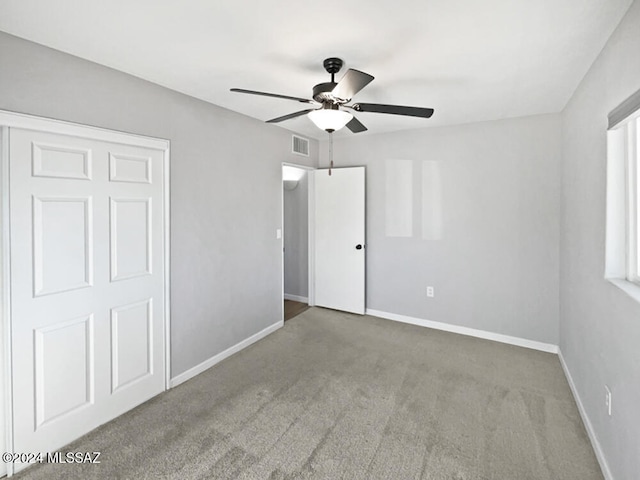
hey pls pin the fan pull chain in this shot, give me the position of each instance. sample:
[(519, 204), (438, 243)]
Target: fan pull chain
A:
[(330, 152)]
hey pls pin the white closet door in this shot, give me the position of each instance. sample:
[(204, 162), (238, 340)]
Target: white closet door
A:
[(87, 284)]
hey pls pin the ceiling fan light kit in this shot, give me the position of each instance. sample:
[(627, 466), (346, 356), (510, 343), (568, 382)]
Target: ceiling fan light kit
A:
[(330, 119), (332, 98)]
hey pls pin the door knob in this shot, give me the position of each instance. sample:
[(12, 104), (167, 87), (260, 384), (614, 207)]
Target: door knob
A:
[(358, 247)]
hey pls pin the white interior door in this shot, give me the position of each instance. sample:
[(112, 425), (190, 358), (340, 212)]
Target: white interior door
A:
[(87, 284), (339, 232)]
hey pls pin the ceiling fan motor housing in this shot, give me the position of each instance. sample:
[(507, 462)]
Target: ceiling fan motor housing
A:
[(322, 92)]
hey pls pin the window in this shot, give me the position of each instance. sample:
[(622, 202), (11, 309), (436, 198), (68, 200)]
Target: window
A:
[(623, 197)]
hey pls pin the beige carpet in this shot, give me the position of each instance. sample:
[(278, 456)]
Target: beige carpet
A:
[(334, 395)]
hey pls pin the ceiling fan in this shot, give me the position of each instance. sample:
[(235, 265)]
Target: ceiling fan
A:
[(331, 100)]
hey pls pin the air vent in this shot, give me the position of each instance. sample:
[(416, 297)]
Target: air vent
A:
[(300, 145)]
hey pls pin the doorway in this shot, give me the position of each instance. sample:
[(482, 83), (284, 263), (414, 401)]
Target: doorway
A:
[(295, 224)]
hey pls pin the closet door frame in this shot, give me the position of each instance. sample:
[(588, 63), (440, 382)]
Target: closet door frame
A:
[(10, 120)]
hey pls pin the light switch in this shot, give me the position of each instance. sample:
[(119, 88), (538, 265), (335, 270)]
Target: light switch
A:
[(278, 233)]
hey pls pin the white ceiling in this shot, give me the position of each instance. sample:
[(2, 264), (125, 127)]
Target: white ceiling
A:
[(470, 60)]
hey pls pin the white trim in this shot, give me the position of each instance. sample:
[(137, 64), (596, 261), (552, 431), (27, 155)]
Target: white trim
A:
[(166, 201), (192, 372), (296, 298), (297, 165), (52, 125), (633, 275), (311, 216), (5, 297), (627, 287), (471, 332), (604, 466), (282, 233)]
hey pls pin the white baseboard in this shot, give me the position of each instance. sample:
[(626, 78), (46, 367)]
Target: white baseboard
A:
[(587, 423), (296, 298), (472, 332), (192, 372)]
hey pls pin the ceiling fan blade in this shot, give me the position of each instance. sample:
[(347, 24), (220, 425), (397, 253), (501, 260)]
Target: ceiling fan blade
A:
[(356, 126), (393, 109), (290, 116), (352, 82), (275, 95)]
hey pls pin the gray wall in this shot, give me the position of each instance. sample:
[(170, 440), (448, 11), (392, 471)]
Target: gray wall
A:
[(296, 239), (491, 246), (599, 323), (226, 188)]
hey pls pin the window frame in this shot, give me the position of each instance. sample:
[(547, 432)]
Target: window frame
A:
[(622, 263), (632, 127)]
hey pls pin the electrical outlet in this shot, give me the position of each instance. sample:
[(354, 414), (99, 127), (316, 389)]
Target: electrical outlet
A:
[(430, 292), (607, 399)]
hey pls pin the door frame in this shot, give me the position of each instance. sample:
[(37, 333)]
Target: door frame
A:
[(311, 245), (311, 215), (9, 120), (5, 374)]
